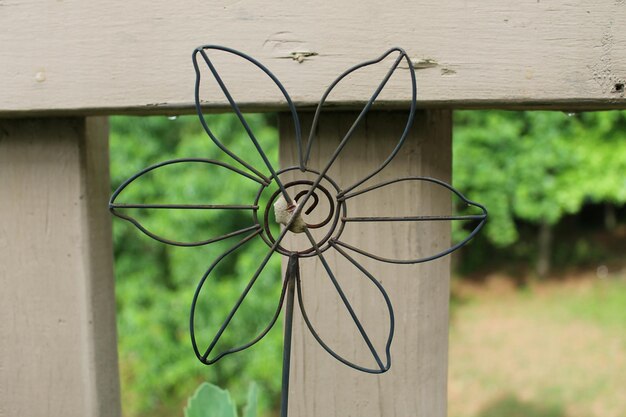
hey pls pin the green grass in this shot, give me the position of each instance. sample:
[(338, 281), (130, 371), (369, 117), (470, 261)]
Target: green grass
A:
[(603, 304), (552, 350), (511, 406)]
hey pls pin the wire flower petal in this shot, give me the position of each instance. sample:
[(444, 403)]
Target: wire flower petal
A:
[(214, 337), (135, 211), (412, 219), (201, 56), (370, 300), (401, 56)]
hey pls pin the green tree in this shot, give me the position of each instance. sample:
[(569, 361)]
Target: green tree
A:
[(537, 167)]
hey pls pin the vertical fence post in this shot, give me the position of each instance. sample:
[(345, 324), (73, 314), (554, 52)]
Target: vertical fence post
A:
[(58, 340), (416, 385)]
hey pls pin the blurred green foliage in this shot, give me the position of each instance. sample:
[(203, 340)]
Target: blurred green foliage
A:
[(525, 167), (155, 282), (538, 166)]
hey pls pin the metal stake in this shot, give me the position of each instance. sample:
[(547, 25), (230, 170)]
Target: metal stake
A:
[(293, 269)]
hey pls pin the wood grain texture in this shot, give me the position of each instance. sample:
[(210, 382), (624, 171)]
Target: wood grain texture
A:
[(82, 57), (57, 333), (416, 384)]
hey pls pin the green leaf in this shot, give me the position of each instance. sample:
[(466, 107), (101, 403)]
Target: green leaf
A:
[(250, 410), (210, 401)]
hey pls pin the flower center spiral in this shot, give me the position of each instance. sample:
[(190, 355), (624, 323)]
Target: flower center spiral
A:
[(315, 222)]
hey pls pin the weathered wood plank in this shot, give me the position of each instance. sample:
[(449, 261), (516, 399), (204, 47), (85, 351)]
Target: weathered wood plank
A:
[(82, 57), (58, 352), (415, 386)]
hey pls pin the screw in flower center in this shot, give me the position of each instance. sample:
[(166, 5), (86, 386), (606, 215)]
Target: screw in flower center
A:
[(320, 216), (283, 212)]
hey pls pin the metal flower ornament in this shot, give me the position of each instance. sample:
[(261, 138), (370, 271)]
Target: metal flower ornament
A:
[(291, 202)]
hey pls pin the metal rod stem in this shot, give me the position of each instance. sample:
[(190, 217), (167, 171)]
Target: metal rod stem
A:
[(292, 270)]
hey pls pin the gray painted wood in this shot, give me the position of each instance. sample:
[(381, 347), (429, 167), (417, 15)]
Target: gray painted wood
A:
[(416, 384), (115, 57), (58, 348)]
